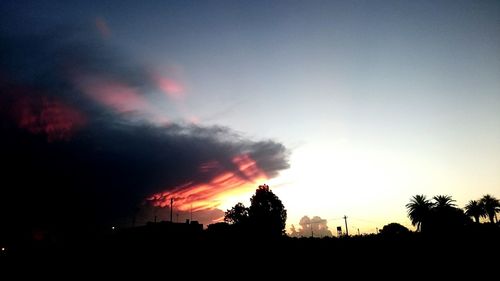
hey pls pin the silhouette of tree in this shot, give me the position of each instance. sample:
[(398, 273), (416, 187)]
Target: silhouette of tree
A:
[(394, 229), (475, 209), (443, 202), (267, 213), (445, 217), (237, 215), (419, 210), (491, 206)]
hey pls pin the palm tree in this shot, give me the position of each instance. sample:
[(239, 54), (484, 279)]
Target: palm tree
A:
[(444, 201), (475, 209), (491, 206), (418, 210), (445, 216)]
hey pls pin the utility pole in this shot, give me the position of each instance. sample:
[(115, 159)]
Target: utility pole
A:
[(346, 229), (191, 217), (171, 208), (358, 232)]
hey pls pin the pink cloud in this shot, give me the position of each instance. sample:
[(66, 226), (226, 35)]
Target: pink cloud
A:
[(116, 95), (173, 89), (42, 115)]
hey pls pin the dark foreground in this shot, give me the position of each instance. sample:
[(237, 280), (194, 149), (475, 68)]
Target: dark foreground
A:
[(156, 250)]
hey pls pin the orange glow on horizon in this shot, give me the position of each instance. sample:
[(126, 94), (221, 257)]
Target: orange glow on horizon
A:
[(223, 188)]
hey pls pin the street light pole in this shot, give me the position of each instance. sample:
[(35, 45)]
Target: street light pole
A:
[(346, 229), (171, 208)]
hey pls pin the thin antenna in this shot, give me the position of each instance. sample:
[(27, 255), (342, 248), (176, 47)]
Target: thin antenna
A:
[(191, 217)]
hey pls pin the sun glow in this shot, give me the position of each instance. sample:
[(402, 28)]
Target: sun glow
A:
[(336, 179)]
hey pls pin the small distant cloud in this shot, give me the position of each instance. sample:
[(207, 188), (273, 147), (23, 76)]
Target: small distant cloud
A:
[(315, 227), (170, 87)]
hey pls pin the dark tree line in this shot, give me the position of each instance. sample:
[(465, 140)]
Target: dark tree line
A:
[(487, 206), (266, 216), (440, 214)]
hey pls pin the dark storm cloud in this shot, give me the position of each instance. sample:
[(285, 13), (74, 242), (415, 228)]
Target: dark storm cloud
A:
[(270, 156), (66, 157), (50, 61)]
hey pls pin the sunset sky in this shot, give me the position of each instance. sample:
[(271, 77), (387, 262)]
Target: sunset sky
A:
[(342, 107)]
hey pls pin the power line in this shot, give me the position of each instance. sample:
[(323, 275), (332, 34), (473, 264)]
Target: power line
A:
[(364, 220), (335, 219)]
